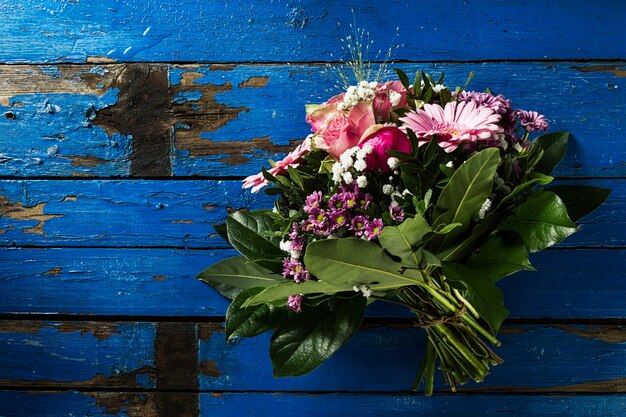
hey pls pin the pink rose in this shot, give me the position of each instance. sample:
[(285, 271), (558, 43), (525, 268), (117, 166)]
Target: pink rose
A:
[(291, 160), (388, 95), (317, 117), (381, 139), (341, 131)]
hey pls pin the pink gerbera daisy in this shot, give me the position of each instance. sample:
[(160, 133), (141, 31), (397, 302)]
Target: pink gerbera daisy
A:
[(292, 159), (459, 122)]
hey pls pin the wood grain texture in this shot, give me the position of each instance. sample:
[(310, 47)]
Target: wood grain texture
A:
[(17, 403), (307, 30), (568, 284), (227, 120), (380, 358), (143, 213)]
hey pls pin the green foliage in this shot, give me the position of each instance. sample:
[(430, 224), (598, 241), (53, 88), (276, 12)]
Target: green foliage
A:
[(541, 221), (251, 321), (250, 234), (402, 240), (464, 194), (549, 149), (482, 293), (580, 200), (304, 341)]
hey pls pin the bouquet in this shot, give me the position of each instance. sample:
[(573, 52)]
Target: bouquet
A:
[(411, 193)]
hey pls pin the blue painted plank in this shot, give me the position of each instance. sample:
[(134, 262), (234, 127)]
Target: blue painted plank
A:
[(113, 355), (594, 110), (228, 120), (382, 358), (124, 30), (140, 213), (119, 212), (48, 121), (129, 404), (568, 284), (536, 358)]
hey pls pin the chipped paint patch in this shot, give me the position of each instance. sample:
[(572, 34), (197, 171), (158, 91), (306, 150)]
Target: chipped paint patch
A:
[(69, 198), (90, 161), (159, 278), (609, 334), (222, 67), (54, 271), (618, 71), (617, 385), (99, 60), (209, 368), (17, 211), (208, 206), (254, 82), (186, 221), (206, 330)]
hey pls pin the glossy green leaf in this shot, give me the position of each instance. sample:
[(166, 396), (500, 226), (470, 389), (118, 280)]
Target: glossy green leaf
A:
[(246, 232), (402, 240), (465, 193), (304, 341), (484, 296), (252, 321), (279, 293), (553, 147), (349, 262), (238, 272), (501, 255), (541, 221), (580, 200)]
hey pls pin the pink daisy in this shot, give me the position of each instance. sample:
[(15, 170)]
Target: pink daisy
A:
[(459, 122), (291, 160)]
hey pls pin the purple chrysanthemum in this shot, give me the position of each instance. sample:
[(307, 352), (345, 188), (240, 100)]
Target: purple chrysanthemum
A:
[(532, 121), (339, 219), (294, 268), (358, 225), (294, 303), (396, 212), (373, 229), (313, 201)]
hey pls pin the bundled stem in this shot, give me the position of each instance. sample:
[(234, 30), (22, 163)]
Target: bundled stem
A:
[(454, 337)]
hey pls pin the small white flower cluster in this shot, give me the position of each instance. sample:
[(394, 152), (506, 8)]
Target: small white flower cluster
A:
[(364, 91), (352, 164), (486, 206), (394, 97), (286, 246), (501, 186), (367, 293)]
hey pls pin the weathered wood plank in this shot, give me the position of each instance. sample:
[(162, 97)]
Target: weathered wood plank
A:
[(161, 282), (150, 404), (380, 358), (140, 213), (117, 120), (119, 212), (125, 30)]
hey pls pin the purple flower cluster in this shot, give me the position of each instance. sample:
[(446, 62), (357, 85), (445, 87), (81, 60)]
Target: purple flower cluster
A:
[(338, 218), (530, 120), (294, 302)]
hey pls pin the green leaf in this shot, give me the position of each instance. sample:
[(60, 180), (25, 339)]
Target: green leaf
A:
[(553, 146), (295, 177), (403, 78), (484, 296), (279, 293), (580, 200), (304, 341), (349, 262), (220, 229), (501, 255), (537, 178), (465, 193), (246, 232), (238, 272), (541, 221), (252, 321), (402, 240)]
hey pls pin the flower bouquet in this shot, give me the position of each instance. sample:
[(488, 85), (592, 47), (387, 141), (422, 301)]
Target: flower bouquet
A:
[(410, 193)]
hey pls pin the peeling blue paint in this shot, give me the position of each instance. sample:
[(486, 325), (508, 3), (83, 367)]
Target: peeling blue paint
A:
[(186, 96)]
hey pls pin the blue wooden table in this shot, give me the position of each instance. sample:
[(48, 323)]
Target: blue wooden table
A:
[(126, 127)]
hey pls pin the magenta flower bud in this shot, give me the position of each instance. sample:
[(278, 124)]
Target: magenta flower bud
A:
[(381, 140)]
